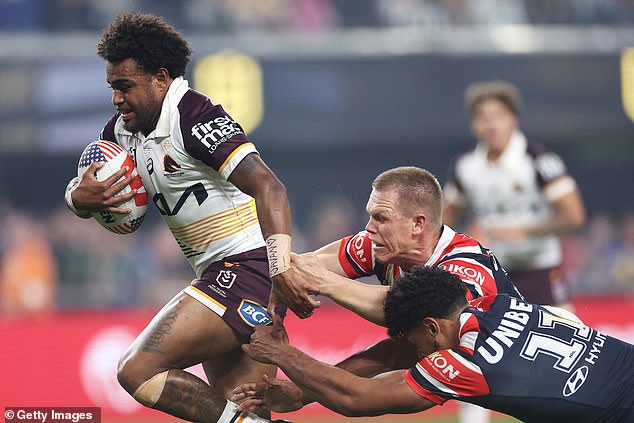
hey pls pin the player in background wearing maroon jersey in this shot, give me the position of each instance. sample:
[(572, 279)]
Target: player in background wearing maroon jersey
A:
[(520, 198), (207, 180), (519, 194), (538, 364), (404, 232)]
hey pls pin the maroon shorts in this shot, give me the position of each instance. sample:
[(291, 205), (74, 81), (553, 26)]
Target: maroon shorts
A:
[(237, 289), (545, 286)]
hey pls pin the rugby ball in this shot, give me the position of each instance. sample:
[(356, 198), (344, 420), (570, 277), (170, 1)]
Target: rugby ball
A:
[(116, 158)]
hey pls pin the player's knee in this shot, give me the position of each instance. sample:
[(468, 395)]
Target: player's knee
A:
[(132, 372), (125, 374), (140, 378)]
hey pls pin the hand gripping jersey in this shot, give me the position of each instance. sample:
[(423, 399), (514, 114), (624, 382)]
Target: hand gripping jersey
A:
[(538, 364), (514, 191), (184, 165), (455, 252)]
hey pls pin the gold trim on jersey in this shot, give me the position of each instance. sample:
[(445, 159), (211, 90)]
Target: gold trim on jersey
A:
[(217, 226), (205, 299), (233, 153)]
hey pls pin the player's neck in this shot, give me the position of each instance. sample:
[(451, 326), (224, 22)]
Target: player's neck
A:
[(415, 257)]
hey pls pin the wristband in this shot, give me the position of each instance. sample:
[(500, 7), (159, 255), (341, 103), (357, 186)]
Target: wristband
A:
[(278, 249), (69, 199)]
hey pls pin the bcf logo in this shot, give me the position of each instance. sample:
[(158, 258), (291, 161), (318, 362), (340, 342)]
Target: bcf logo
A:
[(253, 313)]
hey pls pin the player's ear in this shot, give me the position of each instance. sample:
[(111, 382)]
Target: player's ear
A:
[(431, 326), (419, 223), (162, 78)]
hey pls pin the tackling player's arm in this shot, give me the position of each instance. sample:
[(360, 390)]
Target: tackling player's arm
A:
[(333, 387), (363, 299), (253, 177), (284, 395), (329, 256)]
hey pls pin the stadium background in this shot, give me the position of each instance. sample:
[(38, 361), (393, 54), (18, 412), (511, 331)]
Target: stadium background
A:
[(333, 92)]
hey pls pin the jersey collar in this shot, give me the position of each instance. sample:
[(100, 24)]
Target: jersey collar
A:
[(445, 239), (175, 93), (517, 145)]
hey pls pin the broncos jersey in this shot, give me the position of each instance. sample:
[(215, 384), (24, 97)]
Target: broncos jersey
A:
[(185, 164), (455, 252), (538, 364), (515, 191)]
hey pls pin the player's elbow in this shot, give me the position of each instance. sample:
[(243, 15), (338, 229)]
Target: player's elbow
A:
[(350, 405), (270, 187)]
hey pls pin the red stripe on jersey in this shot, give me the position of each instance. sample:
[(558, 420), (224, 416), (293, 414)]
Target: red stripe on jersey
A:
[(470, 325), (469, 331), (355, 255), (458, 241), (438, 400), (449, 370), (483, 303)]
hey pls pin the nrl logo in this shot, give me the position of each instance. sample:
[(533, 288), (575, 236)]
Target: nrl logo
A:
[(226, 278)]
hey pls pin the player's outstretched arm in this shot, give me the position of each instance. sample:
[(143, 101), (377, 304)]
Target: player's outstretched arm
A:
[(333, 387), (363, 299), (329, 256), (384, 356), (91, 195), (254, 178), (283, 396)]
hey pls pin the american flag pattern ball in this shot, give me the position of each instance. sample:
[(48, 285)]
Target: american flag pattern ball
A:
[(115, 158)]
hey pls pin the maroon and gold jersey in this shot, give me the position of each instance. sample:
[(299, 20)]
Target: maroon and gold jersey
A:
[(455, 252), (185, 164), (538, 364)]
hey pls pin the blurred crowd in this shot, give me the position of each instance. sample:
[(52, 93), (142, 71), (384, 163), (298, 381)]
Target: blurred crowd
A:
[(58, 261), (218, 16)]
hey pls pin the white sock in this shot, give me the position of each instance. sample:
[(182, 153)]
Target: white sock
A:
[(231, 413)]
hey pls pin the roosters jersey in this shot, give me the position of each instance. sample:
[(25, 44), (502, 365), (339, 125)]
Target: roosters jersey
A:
[(516, 190), (538, 364), (184, 165), (455, 252)]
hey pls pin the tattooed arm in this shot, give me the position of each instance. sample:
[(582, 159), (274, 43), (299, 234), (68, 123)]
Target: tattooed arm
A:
[(253, 177)]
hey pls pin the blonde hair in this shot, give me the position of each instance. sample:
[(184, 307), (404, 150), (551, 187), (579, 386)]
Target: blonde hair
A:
[(503, 91), (418, 190)]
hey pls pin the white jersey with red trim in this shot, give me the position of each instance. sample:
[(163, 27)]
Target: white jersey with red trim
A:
[(538, 364), (185, 164), (455, 252), (514, 191)]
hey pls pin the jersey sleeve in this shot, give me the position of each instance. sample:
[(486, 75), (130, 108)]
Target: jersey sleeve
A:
[(355, 255), (211, 135), (548, 165), (107, 133), (446, 375)]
